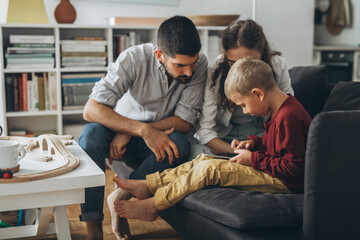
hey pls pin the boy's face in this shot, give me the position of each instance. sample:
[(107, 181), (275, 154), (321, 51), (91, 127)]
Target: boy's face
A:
[(252, 103)]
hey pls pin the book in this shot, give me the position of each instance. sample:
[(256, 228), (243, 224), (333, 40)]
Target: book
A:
[(52, 90), (82, 48), (18, 131), (30, 60), (83, 59), (82, 75), (35, 92), (24, 92), (89, 38), (83, 64), (41, 93), (30, 94), (71, 100), (29, 50), (9, 92), (74, 107), (30, 55), (46, 91), (79, 80), (16, 93), (83, 42), (9, 217), (20, 93), (33, 45), (18, 66), (87, 54), (77, 89), (31, 39)]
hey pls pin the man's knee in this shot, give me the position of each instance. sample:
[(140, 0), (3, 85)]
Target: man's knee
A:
[(95, 136), (182, 143)]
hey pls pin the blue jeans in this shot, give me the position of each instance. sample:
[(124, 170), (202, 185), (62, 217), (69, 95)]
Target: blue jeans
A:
[(95, 139)]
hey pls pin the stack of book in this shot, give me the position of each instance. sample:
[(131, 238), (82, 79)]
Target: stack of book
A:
[(125, 40), (30, 51), (83, 53), (9, 217), (23, 132), (76, 89), (30, 91)]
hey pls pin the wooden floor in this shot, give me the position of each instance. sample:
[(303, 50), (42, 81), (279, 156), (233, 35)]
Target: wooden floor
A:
[(158, 229)]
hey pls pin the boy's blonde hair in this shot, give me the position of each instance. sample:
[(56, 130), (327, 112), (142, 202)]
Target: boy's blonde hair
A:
[(249, 73)]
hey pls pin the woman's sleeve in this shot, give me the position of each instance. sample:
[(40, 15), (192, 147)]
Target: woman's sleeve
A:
[(207, 122), (282, 74)]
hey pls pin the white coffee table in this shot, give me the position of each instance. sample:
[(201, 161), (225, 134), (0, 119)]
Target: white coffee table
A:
[(51, 195)]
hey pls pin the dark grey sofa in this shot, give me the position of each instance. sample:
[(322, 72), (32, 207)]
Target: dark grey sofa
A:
[(330, 205)]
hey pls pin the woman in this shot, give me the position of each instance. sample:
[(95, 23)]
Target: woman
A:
[(221, 120)]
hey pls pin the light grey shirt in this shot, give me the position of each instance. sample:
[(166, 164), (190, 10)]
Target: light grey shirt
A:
[(215, 122), (136, 86)]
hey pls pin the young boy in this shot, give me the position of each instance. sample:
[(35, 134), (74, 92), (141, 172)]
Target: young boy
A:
[(273, 163)]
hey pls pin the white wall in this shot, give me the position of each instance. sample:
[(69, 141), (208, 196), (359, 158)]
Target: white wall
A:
[(348, 36), (288, 24), (289, 27)]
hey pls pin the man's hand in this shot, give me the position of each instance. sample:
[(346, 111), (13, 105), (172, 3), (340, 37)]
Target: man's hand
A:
[(118, 146), (161, 144), (243, 157), (248, 144)]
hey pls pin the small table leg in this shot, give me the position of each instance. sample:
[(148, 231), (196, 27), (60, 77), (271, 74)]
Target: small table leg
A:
[(44, 220), (61, 223)]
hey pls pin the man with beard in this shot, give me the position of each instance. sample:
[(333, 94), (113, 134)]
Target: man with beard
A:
[(141, 110)]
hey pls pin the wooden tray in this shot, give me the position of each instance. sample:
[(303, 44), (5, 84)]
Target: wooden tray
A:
[(213, 20)]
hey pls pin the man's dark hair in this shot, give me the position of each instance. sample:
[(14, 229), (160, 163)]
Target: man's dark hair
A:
[(178, 35)]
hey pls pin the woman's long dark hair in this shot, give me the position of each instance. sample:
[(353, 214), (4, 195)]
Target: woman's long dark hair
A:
[(244, 33)]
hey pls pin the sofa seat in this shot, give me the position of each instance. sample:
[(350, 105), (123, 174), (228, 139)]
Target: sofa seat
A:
[(257, 209)]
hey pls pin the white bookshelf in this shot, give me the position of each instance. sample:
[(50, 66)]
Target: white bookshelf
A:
[(56, 119)]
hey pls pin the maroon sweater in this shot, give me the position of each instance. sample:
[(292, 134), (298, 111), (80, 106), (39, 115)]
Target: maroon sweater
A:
[(280, 152)]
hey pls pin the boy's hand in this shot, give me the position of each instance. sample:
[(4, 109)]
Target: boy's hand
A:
[(118, 146), (248, 144), (243, 157)]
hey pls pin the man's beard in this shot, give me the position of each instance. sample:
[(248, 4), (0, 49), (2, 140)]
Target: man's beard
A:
[(183, 79)]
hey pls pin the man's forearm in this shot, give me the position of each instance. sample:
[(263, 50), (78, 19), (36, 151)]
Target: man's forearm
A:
[(99, 113), (177, 123)]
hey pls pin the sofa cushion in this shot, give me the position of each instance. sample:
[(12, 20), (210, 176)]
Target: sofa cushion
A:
[(246, 210), (310, 87), (344, 96)]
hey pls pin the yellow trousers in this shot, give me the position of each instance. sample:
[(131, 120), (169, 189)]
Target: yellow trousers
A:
[(172, 185)]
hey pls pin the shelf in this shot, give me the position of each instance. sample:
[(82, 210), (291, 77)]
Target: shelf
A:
[(29, 70), (31, 114), (57, 120)]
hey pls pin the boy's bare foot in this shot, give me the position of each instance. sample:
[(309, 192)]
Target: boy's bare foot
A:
[(138, 188), (120, 226), (141, 209)]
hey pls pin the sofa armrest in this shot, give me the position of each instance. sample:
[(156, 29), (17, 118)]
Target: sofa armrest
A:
[(332, 192)]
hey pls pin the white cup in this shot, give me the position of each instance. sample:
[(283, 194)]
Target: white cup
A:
[(10, 153)]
